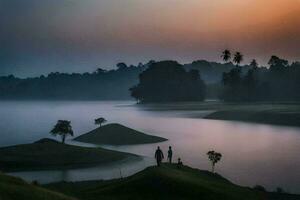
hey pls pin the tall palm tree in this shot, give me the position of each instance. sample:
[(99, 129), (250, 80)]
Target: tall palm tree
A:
[(238, 58), (226, 55), (62, 128)]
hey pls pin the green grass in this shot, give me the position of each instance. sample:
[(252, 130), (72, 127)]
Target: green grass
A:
[(165, 182), (116, 134), (16, 189), (50, 154)]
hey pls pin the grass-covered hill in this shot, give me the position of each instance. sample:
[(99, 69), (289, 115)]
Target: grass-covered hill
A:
[(165, 182), (50, 154), (116, 134), (16, 189)]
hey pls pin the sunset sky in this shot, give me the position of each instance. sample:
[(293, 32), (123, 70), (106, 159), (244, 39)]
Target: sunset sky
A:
[(40, 36)]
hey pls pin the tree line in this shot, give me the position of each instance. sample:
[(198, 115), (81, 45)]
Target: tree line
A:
[(99, 85), (279, 82), (166, 81)]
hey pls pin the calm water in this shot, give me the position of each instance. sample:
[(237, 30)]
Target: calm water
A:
[(252, 154)]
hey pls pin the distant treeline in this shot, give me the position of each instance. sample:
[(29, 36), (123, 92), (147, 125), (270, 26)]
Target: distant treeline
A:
[(279, 82), (99, 85)]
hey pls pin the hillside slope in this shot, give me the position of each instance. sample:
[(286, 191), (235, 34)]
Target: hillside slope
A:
[(166, 182), (16, 189), (50, 154)]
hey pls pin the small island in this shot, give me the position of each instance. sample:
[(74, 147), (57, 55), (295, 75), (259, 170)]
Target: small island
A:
[(117, 134), (48, 154)]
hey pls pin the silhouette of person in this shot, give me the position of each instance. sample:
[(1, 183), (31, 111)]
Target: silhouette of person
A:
[(159, 156), (179, 163), (170, 154)]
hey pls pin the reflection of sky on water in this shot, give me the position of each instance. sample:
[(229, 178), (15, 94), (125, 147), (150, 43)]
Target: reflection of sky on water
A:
[(252, 153)]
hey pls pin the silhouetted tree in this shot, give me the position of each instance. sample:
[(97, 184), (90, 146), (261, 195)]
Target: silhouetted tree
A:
[(121, 66), (277, 64), (167, 81), (232, 82), (62, 128), (238, 58), (214, 157), (254, 64), (100, 121), (226, 55), (100, 71)]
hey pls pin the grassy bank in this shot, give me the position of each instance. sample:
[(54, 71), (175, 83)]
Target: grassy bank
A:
[(116, 134), (16, 189), (276, 114), (50, 154), (280, 113), (166, 182)]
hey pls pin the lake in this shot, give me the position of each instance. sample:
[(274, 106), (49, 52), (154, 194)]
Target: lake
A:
[(252, 154)]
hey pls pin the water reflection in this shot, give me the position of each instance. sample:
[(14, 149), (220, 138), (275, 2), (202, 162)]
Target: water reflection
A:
[(102, 172), (252, 154)]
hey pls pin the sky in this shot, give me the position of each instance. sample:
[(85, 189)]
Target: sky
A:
[(40, 36)]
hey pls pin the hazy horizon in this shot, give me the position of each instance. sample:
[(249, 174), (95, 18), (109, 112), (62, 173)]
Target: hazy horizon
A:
[(79, 36)]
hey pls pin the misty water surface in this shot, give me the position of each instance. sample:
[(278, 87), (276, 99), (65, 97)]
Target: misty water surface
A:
[(252, 154)]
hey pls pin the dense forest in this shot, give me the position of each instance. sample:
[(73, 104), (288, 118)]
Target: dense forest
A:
[(279, 82), (99, 85), (228, 81), (168, 81)]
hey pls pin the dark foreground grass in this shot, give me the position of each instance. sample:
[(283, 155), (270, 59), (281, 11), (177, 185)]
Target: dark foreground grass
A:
[(116, 134), (50, 154), (16, 189), (165, 182)]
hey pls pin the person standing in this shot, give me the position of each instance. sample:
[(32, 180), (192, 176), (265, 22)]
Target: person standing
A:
[(159, 156), (170, 154)]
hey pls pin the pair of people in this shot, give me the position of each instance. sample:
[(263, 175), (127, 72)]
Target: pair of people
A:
[(159, 155)]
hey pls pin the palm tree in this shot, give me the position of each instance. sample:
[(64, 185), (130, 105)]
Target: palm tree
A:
[(226, 55), (214, 157), (238, 58), (100, 121), (62, 128)]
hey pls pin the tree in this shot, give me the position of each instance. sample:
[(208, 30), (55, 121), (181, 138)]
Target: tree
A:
[(121, 66), (238, 58), (277, 64), (100, 121), (168, 81), (214, 157), (226, 55), (62, 128), (254, 64), (100, 71)]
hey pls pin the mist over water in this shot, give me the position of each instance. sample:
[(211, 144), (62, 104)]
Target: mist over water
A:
[(252, 154)]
